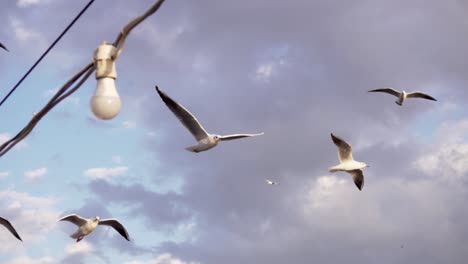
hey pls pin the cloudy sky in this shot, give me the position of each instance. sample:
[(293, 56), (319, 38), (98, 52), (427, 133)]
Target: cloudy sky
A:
[(296, 70)]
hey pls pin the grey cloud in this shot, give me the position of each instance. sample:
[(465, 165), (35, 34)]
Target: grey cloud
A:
[(336, 52)]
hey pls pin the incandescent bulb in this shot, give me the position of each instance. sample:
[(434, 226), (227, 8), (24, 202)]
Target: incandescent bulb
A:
[(105, 103)]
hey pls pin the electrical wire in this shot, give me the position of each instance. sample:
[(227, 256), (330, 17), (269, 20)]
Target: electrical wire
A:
[(45, 53), (58, 97)]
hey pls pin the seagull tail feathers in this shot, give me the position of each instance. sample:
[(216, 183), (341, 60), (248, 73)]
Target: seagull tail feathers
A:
[(192, 149), (75, 235)]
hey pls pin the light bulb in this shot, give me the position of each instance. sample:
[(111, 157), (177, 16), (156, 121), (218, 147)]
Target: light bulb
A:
[(105, 103)]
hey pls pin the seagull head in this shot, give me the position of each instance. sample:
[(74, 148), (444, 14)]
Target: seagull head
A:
[(216, 138), (96, 219), (364, 165)]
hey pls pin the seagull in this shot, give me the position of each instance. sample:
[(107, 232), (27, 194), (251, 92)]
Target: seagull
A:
[(403, 95), (347, 163), (10, 228), (205, 140), (271, 182), (86, 226), (3, 47)]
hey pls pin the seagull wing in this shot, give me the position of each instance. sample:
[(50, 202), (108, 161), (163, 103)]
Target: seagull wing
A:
[(3, 47), (10, 228), (387, 90), (75, 219), (344, 149), (184, 115), (420, 95), (116, 225), (236, 136), (358, 178)]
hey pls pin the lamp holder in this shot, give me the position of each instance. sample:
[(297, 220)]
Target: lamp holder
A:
[(103, 59)]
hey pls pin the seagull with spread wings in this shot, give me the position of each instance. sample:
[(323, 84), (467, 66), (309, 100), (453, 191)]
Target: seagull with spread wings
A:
[(347, 162), (10, 227), (86, 226), (403, 95), (270, 182), (205, 140)]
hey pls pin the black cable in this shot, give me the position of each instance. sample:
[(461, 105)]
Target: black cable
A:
[(47, 51)]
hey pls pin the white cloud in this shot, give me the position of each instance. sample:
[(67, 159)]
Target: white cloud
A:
[(323, 190), (448, 162), (105, 173), (25, 36), (4, 137), (453, 132), (162, 259), (447, 159), (129, 124), (35, 174), (50, 92), (264, 72), (16, 205), (28, 260), (333, 205), (164, 40), (28, 3), (4, 174), (34, 217), (83, 248)]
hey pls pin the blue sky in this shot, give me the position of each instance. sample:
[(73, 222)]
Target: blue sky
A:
[(295, 70)]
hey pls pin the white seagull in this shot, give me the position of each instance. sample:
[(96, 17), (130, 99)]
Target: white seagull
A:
[(86, 226), (10, 228), (403, 95), (347, 163), (205, 140), (3, 47), (270, 182)]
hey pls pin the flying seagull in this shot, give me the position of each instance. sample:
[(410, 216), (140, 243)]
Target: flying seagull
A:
[(86, 226), (10, 228), (347, 163), (3, 47), (205, 140), (270, 182), (403, 95)]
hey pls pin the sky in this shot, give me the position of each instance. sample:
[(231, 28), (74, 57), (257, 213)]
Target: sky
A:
[(297, 70)]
